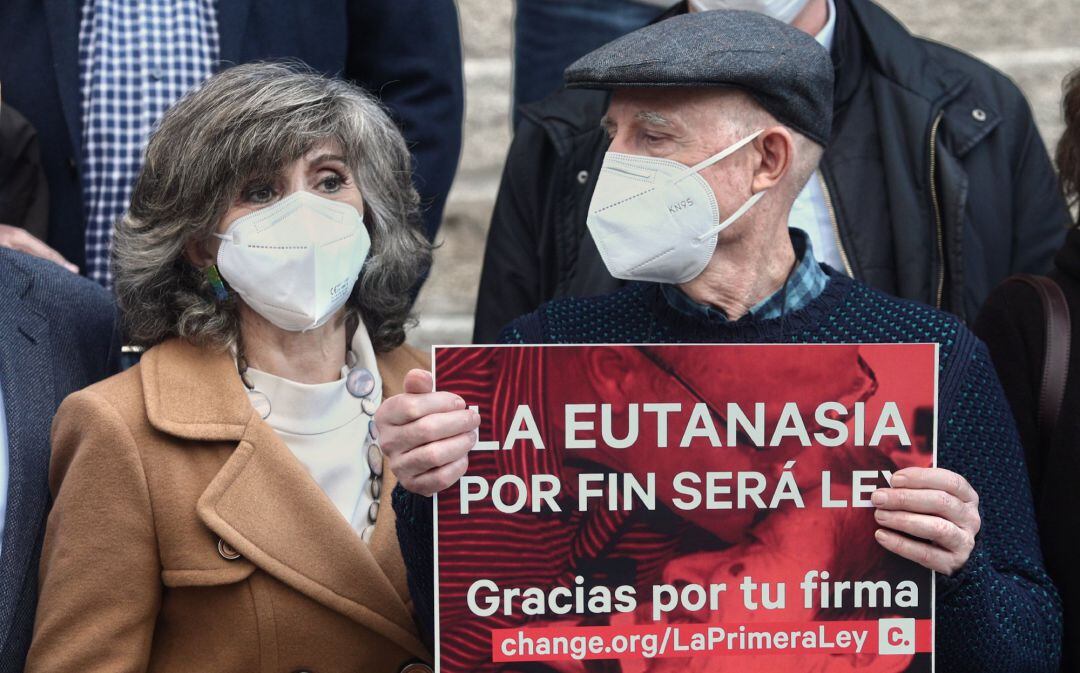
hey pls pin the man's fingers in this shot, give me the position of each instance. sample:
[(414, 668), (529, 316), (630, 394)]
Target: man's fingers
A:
[(439, 479), (434, 455), (935, 529), (935, 478), (921, 501), (923, 553), (419, 381), (48, 253), (436, 427), (404, 409), (427, 429), (21, 240)]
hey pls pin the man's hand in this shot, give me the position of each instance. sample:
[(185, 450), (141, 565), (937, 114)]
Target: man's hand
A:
[(938, 507), (18, 239), (426, 436)]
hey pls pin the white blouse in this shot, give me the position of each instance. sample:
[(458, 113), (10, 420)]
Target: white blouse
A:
[(326, 428)]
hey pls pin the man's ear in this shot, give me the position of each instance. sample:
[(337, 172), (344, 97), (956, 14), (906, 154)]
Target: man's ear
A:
[(776, 150)]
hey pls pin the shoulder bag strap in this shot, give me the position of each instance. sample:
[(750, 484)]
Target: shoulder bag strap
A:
[(1058, 342)]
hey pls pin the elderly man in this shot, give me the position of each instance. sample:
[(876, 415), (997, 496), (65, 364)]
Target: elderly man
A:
[(934, 187), (709, 150)]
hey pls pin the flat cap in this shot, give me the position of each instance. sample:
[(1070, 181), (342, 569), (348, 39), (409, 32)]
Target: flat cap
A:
[(783, 68)]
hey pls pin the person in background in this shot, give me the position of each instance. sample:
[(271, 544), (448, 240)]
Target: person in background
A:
[(551, 34), (223, 504), (709, 152), (58, 334), (95, 76), (1042, 382), (935, 186), (24, 192)]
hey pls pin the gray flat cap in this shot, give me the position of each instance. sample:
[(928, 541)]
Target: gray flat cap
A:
[(783, 68)]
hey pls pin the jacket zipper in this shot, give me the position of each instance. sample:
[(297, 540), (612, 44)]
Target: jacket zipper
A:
[(937, 209), (835, 224)]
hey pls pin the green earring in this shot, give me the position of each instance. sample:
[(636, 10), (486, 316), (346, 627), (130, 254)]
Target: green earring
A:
[(216, 282)]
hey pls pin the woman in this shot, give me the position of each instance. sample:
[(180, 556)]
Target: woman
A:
[(1014, 326), (223, 506)]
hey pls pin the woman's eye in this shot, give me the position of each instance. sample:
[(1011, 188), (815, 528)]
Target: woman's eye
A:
[(331, 183), (259, 194)]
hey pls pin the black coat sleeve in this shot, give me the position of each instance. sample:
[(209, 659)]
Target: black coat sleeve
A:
[(408, 53), (1012, 325), (517, 258), (24, 193), (1040, 217)]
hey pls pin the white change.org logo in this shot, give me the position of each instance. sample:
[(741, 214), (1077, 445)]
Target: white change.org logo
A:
[(896, 636)]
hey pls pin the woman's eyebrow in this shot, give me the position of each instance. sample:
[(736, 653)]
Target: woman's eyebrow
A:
[(328, 157)]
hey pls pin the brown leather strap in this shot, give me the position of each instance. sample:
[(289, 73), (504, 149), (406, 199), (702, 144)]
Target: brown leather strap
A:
[(1058, 342)]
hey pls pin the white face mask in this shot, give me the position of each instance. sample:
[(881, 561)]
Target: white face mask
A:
[(295, 263), (781, 10), (657, 219)]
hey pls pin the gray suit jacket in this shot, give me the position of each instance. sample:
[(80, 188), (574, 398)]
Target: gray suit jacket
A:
[(58, 334)]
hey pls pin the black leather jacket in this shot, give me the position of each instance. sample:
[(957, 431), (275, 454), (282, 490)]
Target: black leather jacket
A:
[(938, 180)]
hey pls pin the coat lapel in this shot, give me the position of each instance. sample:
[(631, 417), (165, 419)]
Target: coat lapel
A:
[(265, 504), (29, 402), (63, 20)]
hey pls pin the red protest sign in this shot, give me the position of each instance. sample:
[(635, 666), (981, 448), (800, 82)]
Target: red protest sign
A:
[(690, 508)]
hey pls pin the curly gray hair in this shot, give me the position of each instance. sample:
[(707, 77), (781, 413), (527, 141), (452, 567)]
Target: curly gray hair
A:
[(250, 122)]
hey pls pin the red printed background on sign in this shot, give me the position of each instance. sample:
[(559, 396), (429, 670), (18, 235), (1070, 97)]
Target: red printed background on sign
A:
[(701, 546)]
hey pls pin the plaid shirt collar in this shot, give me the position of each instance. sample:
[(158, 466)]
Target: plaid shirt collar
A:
[(804, 284)]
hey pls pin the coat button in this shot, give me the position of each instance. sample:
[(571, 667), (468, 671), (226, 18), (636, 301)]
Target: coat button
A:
[(415, 668), (582, 177), (226, 550), (979, 114)]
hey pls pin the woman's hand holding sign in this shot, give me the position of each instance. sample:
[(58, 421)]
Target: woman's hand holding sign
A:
[(929, 515), (426, 436)]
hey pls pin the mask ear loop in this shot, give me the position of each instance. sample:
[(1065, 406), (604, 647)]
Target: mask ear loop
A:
[(712, 160), (734, 216), (723, 154)]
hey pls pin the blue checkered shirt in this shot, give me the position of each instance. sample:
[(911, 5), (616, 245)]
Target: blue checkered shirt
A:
[(803, 285), (136, 58)]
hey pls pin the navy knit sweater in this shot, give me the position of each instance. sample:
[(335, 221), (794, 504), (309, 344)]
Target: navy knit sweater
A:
[(1001, 612)]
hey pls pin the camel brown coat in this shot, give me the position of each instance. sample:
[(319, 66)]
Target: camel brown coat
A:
[(162, 472)]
